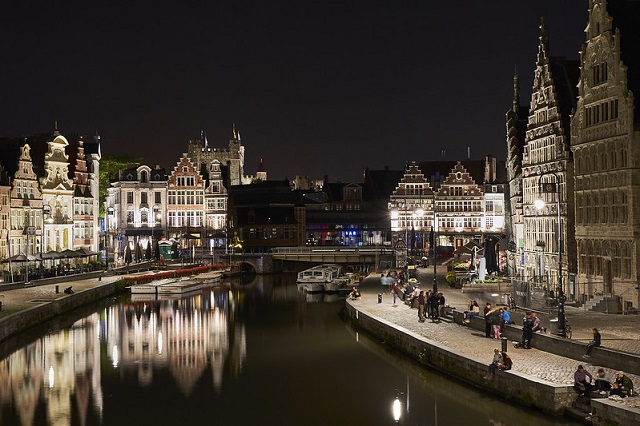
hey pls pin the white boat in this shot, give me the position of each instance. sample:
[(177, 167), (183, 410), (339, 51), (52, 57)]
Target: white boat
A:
[(312, 280), (180, 287), (150, 288), (343, 281)]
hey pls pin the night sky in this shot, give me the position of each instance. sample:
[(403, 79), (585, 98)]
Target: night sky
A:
[(314, 87)]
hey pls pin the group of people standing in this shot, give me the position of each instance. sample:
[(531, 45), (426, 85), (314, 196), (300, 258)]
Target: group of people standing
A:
[(429, 303)]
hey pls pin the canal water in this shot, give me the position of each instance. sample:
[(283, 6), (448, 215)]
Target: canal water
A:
[(253, 353)]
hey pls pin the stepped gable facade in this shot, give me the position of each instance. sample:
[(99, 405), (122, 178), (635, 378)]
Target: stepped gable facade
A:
[(605, 141), (547, 159)]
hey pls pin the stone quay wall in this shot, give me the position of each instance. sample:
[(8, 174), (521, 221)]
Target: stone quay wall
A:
[(610, 413), (568, 348), (517, 387), (32, 317)]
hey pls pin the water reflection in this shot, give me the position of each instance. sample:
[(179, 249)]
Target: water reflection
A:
[(185, 361), (183, 336), (63, 370)]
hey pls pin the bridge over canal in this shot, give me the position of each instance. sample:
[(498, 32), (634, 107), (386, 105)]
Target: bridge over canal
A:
[(272, 262)]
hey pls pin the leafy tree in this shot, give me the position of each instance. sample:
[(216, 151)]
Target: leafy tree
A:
[(109, 166)]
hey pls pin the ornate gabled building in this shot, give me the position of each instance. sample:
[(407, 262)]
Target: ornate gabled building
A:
[(605, 141), (83, 212), (411, 206), (185, 206), (547, 159), (460, 208), (57, 196), (516, 124), (26, 207)]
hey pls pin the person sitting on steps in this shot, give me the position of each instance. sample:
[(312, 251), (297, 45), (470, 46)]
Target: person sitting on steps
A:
[(474, 310)]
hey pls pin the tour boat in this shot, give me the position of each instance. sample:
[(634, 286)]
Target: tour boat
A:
[(312, 280)]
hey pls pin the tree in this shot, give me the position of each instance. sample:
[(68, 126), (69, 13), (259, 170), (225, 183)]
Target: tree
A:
[(109, 167)]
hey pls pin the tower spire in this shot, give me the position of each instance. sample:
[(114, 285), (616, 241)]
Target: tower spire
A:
[(235, 134), (516, 90), (543, 49)]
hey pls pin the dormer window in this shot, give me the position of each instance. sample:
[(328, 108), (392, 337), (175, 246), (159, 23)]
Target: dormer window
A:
[(143, 177)]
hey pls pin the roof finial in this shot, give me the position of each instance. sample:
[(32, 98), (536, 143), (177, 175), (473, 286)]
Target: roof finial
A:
[(516, 90), (235, 134), (55, 125)]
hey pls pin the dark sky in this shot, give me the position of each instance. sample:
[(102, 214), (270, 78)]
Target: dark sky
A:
[(314, 87)]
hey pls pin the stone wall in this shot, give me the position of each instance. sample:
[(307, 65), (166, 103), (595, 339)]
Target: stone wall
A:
[(565, 347), (511, 385), (610, 413), (23, 320)]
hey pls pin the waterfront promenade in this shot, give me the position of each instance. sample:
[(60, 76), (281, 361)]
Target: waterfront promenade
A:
[(619, 332)]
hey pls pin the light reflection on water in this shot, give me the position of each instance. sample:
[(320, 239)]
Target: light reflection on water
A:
[(253, 353)]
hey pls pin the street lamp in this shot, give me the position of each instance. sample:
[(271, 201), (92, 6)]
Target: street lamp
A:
[(551, 187), (435, 230), (110, 213)]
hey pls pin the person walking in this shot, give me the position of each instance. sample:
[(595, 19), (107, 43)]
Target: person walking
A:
[(595, 342), (394, 291), (495, 323)]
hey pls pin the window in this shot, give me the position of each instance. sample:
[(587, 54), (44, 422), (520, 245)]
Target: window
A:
[(130, 197), (158, 197), (143, 198), (130, 217)]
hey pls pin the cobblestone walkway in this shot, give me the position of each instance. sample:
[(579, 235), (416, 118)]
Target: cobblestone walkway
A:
[(472, 343)]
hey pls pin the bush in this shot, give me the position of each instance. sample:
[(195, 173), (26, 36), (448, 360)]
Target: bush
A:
[(450, 277)]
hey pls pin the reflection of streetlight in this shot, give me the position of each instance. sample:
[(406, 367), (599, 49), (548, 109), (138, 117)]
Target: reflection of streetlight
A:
[(550, 187), (396, 408)]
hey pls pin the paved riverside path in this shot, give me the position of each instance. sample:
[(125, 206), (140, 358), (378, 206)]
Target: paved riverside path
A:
[(24, 298), (470, 342)]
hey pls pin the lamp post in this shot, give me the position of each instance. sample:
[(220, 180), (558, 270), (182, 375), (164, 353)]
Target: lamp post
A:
[(550, 187), (435, 230), (110, 212)]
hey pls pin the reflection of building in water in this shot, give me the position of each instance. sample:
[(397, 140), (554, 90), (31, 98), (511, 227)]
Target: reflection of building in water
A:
[(22, 378), (184, 335), (61, 371), (142, 344), (56, 368)]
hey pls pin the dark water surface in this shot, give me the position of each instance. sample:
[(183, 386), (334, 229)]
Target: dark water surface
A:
[(258, 353)]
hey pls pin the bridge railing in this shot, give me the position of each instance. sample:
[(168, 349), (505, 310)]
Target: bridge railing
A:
[(320, 250)]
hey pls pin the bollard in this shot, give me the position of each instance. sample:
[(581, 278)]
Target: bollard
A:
[(379, 297), (57, 289), (99, 277), (504, 344)]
